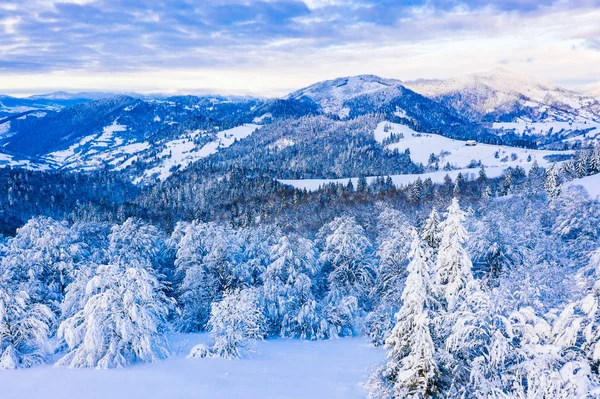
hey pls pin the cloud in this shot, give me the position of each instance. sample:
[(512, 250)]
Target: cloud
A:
[(122, 36)]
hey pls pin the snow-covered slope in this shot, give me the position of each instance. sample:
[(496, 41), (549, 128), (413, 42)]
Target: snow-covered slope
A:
[(495, 158), (281, 368), (590, 183), (455, 152), (503, 96), (331, 94), (180, 153)]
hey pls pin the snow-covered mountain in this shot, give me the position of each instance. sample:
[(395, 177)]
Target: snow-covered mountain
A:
[(91, 95), (595, 91), (315, 131), (332, 95), (514, 102)]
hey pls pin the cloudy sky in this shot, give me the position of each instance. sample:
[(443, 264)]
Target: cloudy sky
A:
[(273, 46)]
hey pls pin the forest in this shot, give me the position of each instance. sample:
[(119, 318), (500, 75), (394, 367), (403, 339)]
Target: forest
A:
[(483, 288)]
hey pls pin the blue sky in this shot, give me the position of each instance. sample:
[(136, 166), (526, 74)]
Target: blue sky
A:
[(270, 47)]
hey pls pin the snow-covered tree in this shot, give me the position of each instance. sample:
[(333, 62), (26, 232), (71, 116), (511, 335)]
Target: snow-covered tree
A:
[(348, 256), (411, 368), (394, 240), (290, 305), (578, 325), (41, 260), (125, 308), (493, 245), (430, 232), (135, 242), (209, 261), (544, 371), (123, 320), (235, 323), (453, 267), (552, 183), (24, 330)]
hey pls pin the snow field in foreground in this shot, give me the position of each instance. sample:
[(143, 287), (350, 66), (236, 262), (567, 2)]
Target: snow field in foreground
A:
[(280, 369)]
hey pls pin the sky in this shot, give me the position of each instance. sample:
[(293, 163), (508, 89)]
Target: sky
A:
[(271, 47)]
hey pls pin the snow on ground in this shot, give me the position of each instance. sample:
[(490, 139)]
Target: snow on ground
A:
[(85, 153), (4, 129), (260, 119), (282, 369), (9, 160), (590, 183), (456, 152), (544, 128), (399, 180), (282, 143), (421, 145), (183, 152)]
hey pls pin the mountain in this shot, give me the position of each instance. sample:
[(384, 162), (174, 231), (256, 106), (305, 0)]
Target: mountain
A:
[(325, 130), (501, 95), (63, 95), (332, 95), (594, 90), (11, 107)]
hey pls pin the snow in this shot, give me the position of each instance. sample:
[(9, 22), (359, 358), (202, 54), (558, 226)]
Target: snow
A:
[(590, 183), (455, 152), (500, 89), (109, 131), (260, 119), (332, 94), (9, 160), (282, 143), (399, 180), (282, 368), (183, 152), (4, 130), (543, 128)]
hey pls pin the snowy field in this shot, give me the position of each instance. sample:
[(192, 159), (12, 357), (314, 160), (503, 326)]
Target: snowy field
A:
[(590, 183), (281, 369), (399, 180), (544, 128), (456, 152), (183, 152)]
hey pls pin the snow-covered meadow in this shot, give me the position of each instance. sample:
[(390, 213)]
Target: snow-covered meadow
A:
[(494, 158), (279, 368)]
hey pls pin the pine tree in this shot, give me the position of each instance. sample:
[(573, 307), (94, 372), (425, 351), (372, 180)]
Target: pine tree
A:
[(291, 307), (411, 369), (552, 184), (430, 233), (394, 246), (348, 255), (453, 266)]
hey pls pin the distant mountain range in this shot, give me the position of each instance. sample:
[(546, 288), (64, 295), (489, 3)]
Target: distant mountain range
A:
[(150, 138)]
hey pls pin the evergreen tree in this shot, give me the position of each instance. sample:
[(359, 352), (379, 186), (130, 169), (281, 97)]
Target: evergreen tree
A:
[(552, 184), (453, 266), (430, 232), (410, 371), (290, 305), (348, 256)]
